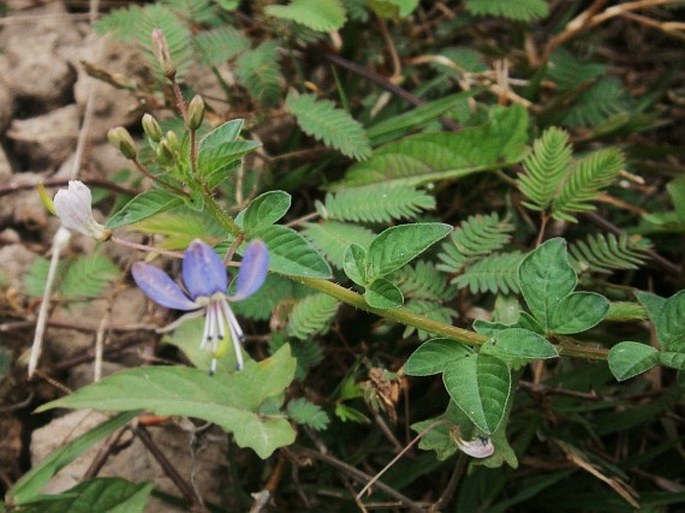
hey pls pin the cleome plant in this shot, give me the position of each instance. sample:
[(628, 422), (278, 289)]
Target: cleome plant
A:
[(463, 276)]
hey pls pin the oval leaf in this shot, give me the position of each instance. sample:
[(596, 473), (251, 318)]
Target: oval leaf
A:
[(670, 323), (520, 343), (146, 204), (546, 277), (578, 312), (230, 400), (383, 294), (433, 357), (354, 264), (672, 360), (480, 385), (398, 245), (628, 359), (265, 210), (291, 254)]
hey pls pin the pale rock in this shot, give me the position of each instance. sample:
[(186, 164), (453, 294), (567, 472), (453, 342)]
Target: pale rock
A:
[(15, 261), (112, 106), (35, 70), (134, 461), (47, 140), (24, 207)]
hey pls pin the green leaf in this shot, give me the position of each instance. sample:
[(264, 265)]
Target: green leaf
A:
[(291, 254), (423, 281), (88, 276), (28, 487), (628, 359), (425, 158), (418, 116), (188, 338), (100, 495), (480, 385), (676, 189), (670, 323), (335, 127), (258, 71), (438, 432), (477, 236), (265, 210), (309, 414), (519, 343), (355, 264), (398, 245), (672, 360), (433, 357), (312, 315), (520, 10), (217, 46), (332, 238), (546, 277), (578, 312), (230, 400), (375, 203), (383, 294), (605, 253), (585, 183), (146, 204), (652, 303), (393, 8), (320, 15), (545, 168), (221, 147), (496, 273)]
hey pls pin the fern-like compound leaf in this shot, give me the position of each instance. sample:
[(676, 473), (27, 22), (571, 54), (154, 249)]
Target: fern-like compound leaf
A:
[(312, 315), (606, 253), (320, 15), (520, 10), (601, 100), (135, 25), (586, 182), (423, 281), (496, 273), (335, 127), (257, 70), (219, 45), (332, 238), (375, 203), (476, 236), (545, 168), (568, 71), (260, 305), (309, 414)]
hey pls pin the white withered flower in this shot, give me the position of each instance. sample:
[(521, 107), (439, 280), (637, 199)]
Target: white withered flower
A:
[(73, 207), (479, 447)]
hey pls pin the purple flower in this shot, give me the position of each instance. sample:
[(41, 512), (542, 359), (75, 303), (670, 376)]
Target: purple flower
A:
[(204, 277)]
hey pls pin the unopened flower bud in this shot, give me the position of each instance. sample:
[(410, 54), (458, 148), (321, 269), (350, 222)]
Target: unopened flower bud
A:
[(122, 140), (73, 207), (163, 54), (196, 111), (152, 128), (172, 140), (164, 152)]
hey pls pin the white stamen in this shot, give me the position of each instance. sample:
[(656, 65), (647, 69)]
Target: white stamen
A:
[(208, 327), (236, 333)]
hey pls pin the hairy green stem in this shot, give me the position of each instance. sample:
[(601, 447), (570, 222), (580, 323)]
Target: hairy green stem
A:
[(566, 347), (219, 214)]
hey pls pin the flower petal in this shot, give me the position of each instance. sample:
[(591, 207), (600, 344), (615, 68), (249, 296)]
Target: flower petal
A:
[(252, 271), (204, 273), (159, 287), (479, 447), (73, 206)]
